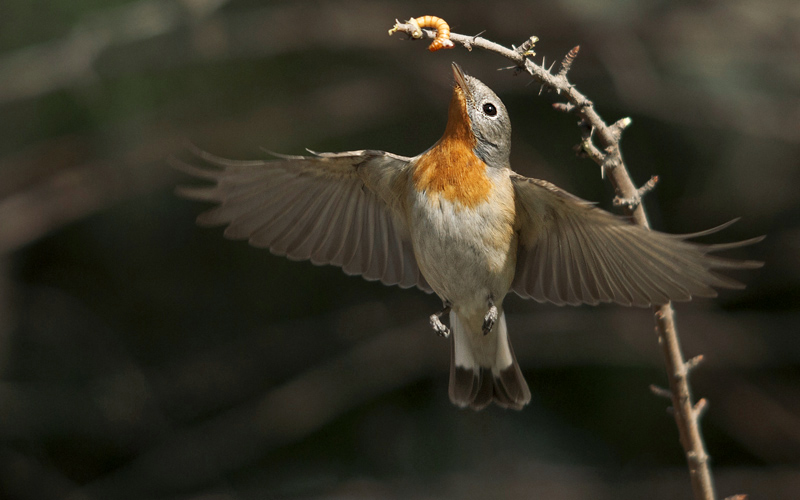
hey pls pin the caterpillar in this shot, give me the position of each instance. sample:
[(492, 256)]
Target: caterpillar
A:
[(442, 40)]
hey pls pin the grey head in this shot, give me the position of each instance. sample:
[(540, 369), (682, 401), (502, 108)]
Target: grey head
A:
[(488, 118)]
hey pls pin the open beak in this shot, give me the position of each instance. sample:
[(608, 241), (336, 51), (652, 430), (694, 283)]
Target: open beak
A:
[(461, 81)]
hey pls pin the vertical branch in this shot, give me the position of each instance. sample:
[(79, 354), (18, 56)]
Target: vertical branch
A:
[(600, 142), (686, 414)]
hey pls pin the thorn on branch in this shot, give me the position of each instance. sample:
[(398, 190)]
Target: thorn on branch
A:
[(660, 391), (631, 204), (468, 44), (566, 63)]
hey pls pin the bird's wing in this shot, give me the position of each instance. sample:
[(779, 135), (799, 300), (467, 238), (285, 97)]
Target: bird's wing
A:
[(330, 208), (571, 252)]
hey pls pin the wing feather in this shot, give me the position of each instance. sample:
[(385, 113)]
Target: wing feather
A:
[(571, 252), (330, 208), (381, 245), (352, 240), (363, 260), (345, 228), (311, 232), (291, 241)]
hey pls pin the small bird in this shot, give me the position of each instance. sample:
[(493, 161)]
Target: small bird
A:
[(457, 221)]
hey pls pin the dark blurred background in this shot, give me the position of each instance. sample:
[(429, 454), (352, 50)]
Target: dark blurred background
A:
[(143, 357)]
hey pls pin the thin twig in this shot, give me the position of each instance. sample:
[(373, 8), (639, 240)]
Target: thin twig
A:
[(632, 203), (600, 142)]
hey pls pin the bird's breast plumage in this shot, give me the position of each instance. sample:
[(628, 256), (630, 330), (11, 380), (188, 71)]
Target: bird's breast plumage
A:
[(466, 252), (453, 172)]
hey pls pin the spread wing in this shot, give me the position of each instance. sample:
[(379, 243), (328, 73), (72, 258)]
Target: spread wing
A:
[(571, 252), (330, 208)]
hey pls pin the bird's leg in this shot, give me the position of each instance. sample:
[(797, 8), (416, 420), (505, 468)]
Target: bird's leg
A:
[(437, 324), (491, 317)]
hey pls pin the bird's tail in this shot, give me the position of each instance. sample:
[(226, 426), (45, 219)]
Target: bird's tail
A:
[(483, 368)]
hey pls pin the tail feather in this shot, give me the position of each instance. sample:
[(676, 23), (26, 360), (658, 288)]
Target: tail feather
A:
[(483, 368)]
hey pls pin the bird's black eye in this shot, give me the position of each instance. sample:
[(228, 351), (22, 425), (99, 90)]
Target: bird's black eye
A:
[(489, 109)]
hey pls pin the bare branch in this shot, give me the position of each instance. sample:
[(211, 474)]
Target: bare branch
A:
[(600, 142), (686, 417)]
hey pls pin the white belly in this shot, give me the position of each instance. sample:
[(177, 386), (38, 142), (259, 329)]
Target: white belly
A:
[(467, 255)]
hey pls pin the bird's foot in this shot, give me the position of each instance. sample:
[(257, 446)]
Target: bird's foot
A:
[(439, 327), (490, 319)]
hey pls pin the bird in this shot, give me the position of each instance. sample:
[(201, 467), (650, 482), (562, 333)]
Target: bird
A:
[(457, 221)]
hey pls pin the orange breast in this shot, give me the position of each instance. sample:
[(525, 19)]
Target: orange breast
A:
[(450, 168)]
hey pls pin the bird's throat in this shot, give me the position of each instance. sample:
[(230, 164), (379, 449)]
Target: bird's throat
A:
[(450, 169), (459, 126)]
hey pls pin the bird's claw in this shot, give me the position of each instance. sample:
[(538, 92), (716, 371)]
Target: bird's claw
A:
[(439, 327), (490, 319), (437, 324)]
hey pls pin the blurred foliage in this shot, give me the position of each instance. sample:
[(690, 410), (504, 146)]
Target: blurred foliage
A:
[(143, 357)]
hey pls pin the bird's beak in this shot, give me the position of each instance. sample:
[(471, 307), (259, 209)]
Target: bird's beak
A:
[(461, 81)]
